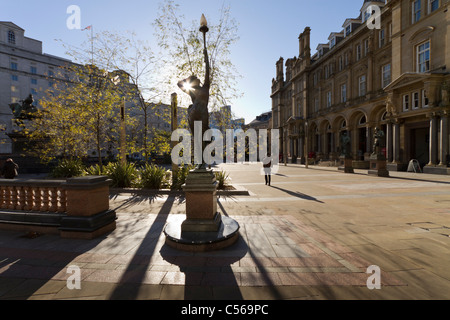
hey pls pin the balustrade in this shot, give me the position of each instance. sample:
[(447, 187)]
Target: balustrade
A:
[(33, 195), (76, 208)]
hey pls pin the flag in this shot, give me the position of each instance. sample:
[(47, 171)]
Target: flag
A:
[(87, 28)]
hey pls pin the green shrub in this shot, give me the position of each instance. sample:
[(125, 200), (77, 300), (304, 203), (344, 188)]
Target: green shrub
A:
[(68, 168), (122, 175), (222, 177), (154, 177), (95, 171)]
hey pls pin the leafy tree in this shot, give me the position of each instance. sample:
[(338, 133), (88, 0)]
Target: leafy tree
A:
[(77, 115), (182, 52)]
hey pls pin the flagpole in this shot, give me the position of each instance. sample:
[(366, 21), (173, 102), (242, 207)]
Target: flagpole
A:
[(92, 44)]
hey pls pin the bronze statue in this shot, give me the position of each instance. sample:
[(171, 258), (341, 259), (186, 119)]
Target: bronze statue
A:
[(198, 111), (378, 141), (199, 94), (24, 111), (345, 144)]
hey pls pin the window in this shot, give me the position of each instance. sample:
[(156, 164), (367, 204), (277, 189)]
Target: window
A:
[(14, 78), (423, 57), (386, 73), (433, 5), (33, 91), (341, 63), (362, 86), (344, 93), (315, 79), (34, 81), (406, 102), (14, 89), (424, 99), (326, 72), (381, 36), (366, 47), (332, 42), (358, 52), (415, 102), (328, 99), (347, 61), (416, 10), (14, 66), (11, 37), (348, 30), (363, 120), (316, 105), (367, 14), (33, 70)]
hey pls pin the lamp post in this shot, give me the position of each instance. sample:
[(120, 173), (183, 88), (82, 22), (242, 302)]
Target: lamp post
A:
[(204, 28), (306, 145)]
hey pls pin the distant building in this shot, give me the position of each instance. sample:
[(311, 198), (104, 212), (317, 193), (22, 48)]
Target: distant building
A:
[(24, 70), (396, 78), (223, 120), (261, 122)]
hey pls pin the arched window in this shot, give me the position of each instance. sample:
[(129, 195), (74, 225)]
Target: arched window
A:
[(11, 37), (362, 120)]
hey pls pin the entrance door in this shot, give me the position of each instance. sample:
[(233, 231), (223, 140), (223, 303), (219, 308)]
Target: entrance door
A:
[(420, 145), (362, 143)]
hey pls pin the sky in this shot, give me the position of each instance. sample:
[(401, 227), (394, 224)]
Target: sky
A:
[(267, 30)]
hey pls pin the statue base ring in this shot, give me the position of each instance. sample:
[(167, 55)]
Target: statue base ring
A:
[(201, 241)]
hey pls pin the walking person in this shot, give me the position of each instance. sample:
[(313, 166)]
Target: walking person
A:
[(267, 166), (9, 170)]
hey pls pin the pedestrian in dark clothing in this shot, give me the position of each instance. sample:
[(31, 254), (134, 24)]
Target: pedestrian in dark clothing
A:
[(267, 165), (9, 170)]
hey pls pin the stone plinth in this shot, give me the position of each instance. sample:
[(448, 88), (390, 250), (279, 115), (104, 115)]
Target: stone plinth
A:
[(204, 228), (201, 202), (378, 166), (346, 164), (88, 214)]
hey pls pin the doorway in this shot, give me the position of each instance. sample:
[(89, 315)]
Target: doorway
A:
[(420, 145)]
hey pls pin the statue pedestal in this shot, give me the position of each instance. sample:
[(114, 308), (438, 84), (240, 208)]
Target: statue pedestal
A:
[(346, 164), (204, 229), (378, 166)]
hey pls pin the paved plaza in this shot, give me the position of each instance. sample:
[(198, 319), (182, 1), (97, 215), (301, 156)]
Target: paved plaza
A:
[(312, 235)]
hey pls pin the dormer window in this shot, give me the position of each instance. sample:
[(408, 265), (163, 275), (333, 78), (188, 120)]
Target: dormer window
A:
[(348, 30), (332, 42), (366, 15), (11, 37)]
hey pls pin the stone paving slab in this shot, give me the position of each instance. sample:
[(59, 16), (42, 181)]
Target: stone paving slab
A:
[(310, 236)]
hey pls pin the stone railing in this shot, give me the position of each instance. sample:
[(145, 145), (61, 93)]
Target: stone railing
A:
[(33, 195), (74, 208)]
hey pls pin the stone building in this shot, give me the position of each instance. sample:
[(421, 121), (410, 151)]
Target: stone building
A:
[(263, 121), (24, 70), (388, 71)]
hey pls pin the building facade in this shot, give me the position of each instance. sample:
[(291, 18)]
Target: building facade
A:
[(393, 75), (24, 70)]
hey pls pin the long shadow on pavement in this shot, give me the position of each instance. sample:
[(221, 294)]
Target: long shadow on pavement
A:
[(133, 277), (297, 194)]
